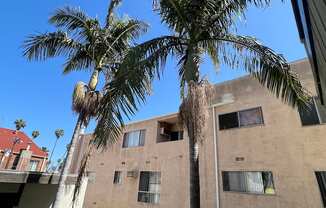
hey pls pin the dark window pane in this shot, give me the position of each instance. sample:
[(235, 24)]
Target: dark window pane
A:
[(143, 197), (142, 138), (268, 183), (228, 121), (321, 179), (144, 181), (125, 140), (117, 177), (309, 116), (225, 178), (321, 110), (251, 117)]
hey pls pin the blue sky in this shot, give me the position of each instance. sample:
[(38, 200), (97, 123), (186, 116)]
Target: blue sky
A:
[(40, 94)]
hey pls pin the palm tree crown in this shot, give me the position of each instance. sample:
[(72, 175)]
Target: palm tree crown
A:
[(89, 45), (205, 27), (59, 133), (20, 124), (35, 134)]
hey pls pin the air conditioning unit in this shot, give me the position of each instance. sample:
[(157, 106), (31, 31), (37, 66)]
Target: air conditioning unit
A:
[(132, 173)]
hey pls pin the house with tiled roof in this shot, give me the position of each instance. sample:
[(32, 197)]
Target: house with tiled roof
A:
[(19, 152)]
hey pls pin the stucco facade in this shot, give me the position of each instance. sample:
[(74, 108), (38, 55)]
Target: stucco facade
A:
[(168, 158), (279, 145)]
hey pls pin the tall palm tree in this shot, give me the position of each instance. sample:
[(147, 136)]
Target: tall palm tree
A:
[(58, 134), (35, 134), (207, 27), (89, 45)]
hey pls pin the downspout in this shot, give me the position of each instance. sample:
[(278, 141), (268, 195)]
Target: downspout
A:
[(216, 151), (216, 161)]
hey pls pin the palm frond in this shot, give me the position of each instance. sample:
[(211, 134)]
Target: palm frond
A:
[(109, 16), (222, 13), (122, 96), (172, 13), (48, 45), (152, 55), (79, 60), (270, 69), (69, 19)]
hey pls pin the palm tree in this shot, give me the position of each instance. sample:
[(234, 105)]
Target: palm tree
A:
[(35, 134), (89, 45), (58, 134), (207, 27), (20, 124)]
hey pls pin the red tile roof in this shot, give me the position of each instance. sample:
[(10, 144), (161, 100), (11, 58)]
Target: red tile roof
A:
[(6, 142)]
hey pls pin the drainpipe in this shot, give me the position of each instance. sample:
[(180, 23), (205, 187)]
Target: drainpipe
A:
[(227, 101), (216, 160)]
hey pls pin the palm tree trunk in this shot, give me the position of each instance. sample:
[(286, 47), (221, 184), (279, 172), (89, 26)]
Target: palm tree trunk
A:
[(194, 115), (194, 174), (58, 202), (55, 144)]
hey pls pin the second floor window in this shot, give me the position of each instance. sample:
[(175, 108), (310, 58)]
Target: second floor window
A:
[(315, 114), (33, 165), (242, 118), (134, 138)]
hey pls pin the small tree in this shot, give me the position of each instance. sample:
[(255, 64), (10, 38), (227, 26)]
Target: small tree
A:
[(44, 149), (35, 134)]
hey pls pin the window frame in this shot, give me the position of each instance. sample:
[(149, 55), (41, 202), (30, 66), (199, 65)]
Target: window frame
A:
[(316, 109), (141, 139), (239, 121), (248, 192), (117, 173), (322, 197), (155, 194)]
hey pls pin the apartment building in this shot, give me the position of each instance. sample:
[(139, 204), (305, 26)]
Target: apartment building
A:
[(267, 154), (147, 167), (258, 152), (310, 16)]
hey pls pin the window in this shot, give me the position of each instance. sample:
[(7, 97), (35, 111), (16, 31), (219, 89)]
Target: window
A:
[(248, 181), (149, 187), (33, 165), (134, 139), (117, 179), (169, 131), (241, 118), (228, 121), (315, 114), (321, 179)]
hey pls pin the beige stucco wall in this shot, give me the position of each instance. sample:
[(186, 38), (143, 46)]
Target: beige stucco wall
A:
[(281, 145), (170, 158)]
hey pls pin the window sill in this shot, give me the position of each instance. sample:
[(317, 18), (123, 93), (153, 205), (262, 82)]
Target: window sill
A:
[(243, 127), (169, 141), (248, 193), (126, 148), (313, 125)]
